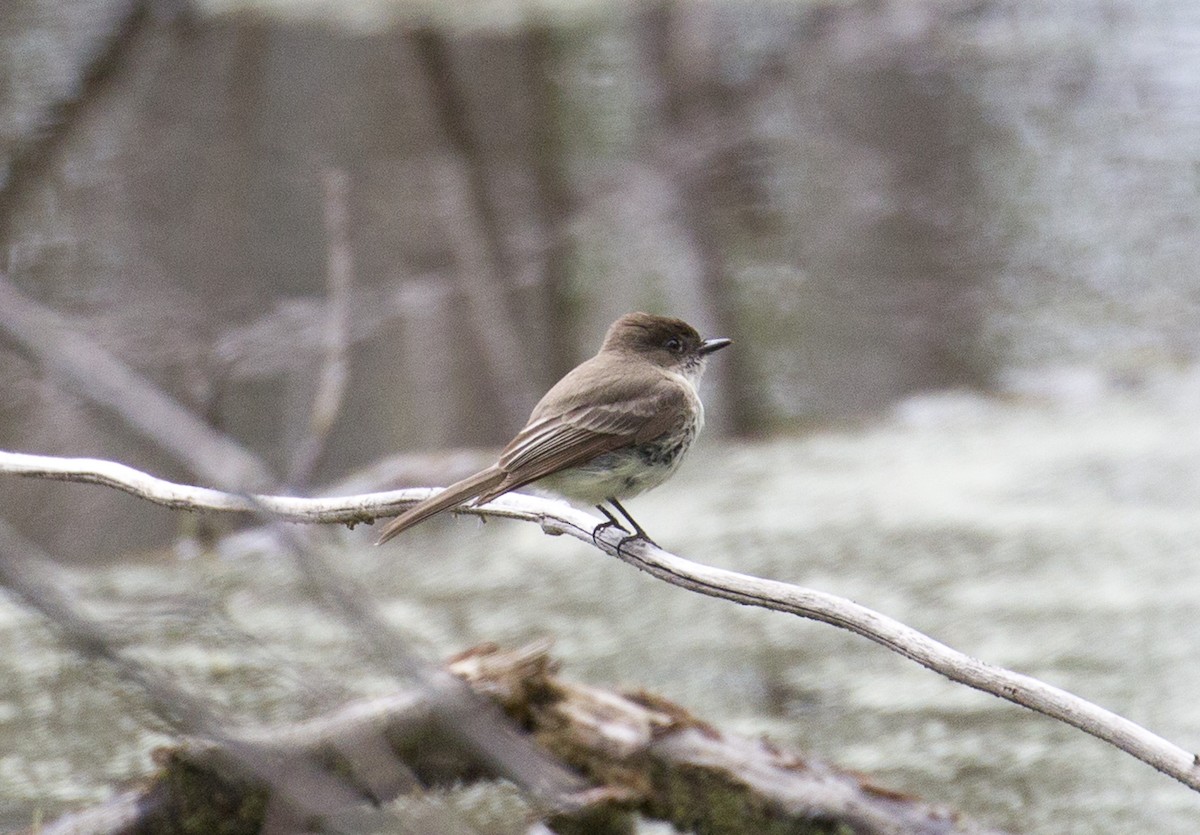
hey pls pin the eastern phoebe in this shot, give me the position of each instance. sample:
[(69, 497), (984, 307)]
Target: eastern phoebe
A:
[(615, 426)]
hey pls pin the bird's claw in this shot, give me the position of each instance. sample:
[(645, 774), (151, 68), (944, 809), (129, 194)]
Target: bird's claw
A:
[(611, 523), (635, 537)]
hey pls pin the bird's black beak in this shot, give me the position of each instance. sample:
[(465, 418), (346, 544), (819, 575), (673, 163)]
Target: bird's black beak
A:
[(708, 346)]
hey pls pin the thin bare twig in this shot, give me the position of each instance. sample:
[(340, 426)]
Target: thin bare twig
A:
[(558, 518), (502, 351), (291, 335), (302, 783), (301, 788), (31, 163), (473, 720), (331, 380)]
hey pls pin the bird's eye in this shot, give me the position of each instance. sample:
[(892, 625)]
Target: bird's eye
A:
[(674, 345)]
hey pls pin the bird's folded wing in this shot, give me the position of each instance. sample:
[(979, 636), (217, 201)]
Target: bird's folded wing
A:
[(557, 442)]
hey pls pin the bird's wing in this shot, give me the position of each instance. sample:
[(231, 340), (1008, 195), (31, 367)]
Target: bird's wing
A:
[(558, 441)]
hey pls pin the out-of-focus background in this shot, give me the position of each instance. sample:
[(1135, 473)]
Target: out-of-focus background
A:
[(956, 245)]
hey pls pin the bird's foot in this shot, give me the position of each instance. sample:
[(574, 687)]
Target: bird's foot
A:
[(610, 522), (640, 536), (603, 526)]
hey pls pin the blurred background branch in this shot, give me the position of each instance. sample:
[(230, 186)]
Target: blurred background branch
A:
[(332, 377), (351, 243)]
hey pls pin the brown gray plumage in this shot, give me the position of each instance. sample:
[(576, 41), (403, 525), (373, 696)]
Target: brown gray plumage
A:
[(615, 426)]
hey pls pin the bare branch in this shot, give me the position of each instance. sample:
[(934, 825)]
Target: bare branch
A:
[(478, 280), (331, 381), (107, 381), (291, 335), (475, 722), (558, 518), (187, 497), (473, 223), (301, 788), (1019, 689), (31, 161)]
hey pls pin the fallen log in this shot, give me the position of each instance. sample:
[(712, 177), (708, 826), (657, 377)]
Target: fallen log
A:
[(643, 755)]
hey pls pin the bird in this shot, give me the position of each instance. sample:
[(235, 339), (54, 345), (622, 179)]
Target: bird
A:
[(615, 426)]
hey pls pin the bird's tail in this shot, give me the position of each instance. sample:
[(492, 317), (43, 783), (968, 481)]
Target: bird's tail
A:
[(452, 496)]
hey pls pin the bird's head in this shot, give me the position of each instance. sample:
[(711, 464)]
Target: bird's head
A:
[(669, 343)]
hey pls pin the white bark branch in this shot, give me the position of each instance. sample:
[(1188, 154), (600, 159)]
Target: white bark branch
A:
[(64, 350), (559, 518)]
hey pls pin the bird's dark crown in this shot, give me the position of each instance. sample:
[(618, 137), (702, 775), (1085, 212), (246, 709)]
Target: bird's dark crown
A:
[(667, 340)]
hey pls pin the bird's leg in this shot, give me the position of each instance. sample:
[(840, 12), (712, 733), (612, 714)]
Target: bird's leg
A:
[(611, 523), (638, 535)]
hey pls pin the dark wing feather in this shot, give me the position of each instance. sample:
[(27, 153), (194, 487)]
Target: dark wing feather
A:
[(566, 447), (553, 442)]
